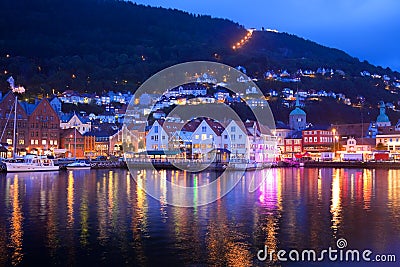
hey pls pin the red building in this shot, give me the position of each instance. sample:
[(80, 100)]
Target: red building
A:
[(7, 124), (293, 144), (318, 139), (73, 149), (89, 146), (44, 128)]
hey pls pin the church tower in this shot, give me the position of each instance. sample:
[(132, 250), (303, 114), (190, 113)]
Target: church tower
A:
[(297, 118), (382, 119)]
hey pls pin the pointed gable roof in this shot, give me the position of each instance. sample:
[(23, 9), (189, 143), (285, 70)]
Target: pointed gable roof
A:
[(10, 98), (239, 124), (216, 126), (70, 132)]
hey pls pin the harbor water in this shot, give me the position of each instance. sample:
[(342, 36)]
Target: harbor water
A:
[(104, 217)]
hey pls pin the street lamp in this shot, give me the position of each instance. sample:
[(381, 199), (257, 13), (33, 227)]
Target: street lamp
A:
[(337, 141), (75, 141), (334, 139)]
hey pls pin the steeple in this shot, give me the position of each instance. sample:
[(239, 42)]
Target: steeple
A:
[(297, 118), (382, 108), (297, 100), (382, 119)]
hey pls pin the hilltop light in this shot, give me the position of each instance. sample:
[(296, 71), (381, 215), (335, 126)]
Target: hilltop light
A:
[(18, 89)]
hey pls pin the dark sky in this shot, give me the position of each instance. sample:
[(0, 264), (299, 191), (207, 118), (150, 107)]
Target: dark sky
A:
[(367, 29)]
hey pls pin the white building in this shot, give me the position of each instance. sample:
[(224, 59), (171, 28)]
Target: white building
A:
[(160, 133), (82, 125), (205, 138), (157, 137), (192, 90), (281, 134), (236, 140), (263, 145), (390, 140)]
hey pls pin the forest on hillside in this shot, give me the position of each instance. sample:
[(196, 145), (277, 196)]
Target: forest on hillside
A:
[(50, 46)]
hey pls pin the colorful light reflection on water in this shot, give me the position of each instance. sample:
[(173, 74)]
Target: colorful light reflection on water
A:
[(105, 217)]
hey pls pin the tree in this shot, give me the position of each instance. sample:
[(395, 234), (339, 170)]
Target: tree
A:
[(380, 146), (141, 144)]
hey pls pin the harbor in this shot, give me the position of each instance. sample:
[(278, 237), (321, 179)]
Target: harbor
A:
[(104, 217)]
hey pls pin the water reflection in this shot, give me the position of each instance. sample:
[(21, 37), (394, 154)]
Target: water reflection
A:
[(70, 200), (336, 202), (16, 234), (105, 217), (271, 204)]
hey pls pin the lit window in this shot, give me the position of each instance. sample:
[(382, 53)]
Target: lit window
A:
[(196, 136), (9, 141), (203, 137), (44, 142), (32, 142)]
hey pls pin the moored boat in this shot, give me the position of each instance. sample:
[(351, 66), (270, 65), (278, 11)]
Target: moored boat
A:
[(78, 165), (31, 163)]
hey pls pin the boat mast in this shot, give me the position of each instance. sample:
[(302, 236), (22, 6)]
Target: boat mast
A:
[(16, 90), (15, 128), (75, 141)]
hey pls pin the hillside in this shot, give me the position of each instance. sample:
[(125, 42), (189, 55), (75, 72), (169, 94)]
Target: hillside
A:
[(94, 46)]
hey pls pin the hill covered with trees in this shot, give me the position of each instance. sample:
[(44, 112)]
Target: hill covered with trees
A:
[(100, 45)]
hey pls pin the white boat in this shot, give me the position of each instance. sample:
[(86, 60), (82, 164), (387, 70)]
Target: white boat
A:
[(78, 165), (31, 163)]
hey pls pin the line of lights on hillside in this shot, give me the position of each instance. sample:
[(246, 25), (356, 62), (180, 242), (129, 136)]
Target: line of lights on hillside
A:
[(244, 40)]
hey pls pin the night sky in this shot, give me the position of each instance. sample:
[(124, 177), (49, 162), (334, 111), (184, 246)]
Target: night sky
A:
[(366, 29)]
